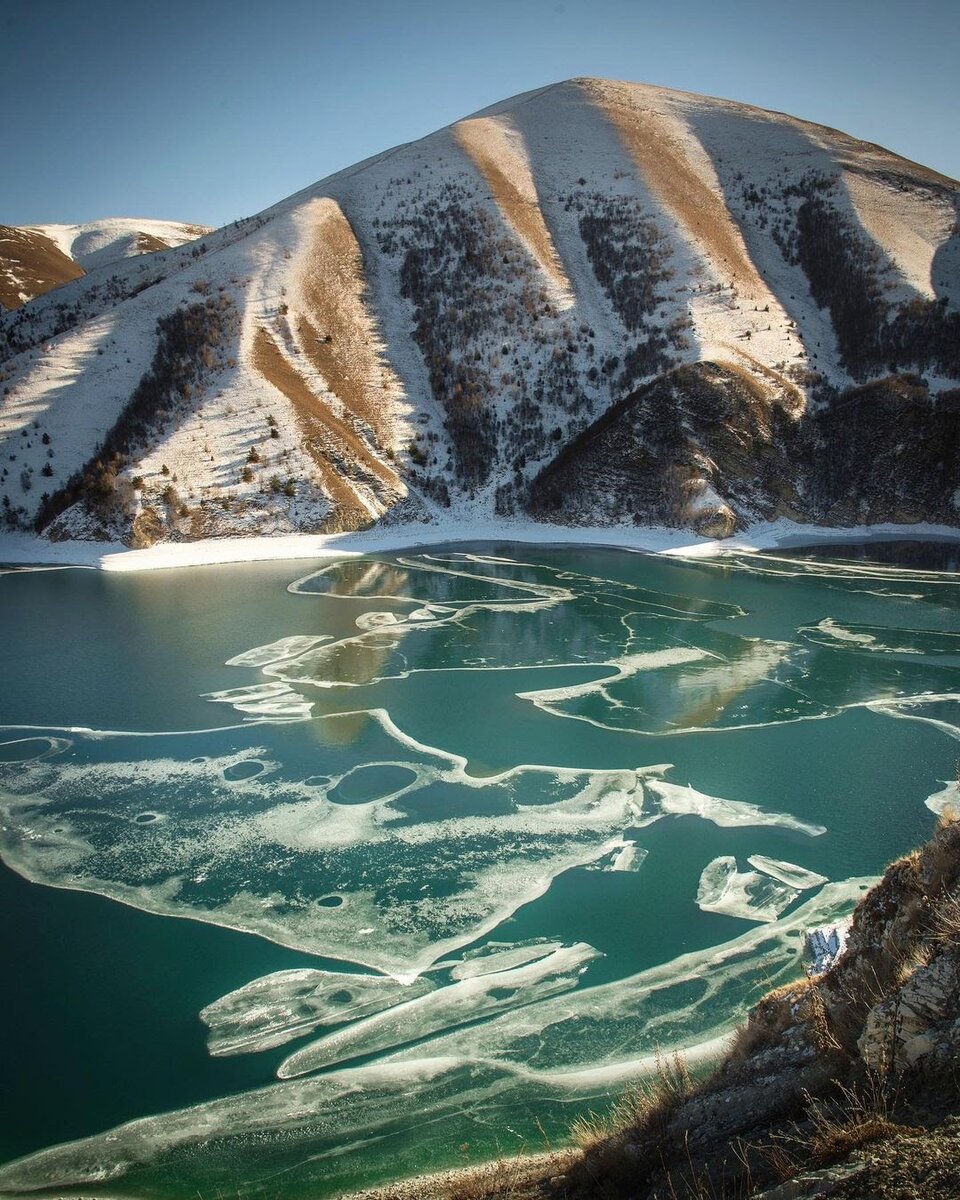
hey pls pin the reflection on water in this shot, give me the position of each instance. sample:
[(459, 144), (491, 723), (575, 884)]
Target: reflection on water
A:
[(538, 814), (927, 556)]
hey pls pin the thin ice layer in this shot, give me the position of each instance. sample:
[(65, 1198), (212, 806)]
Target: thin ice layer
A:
[(673, 799), (501, 956), (237, 838), (285, 1005), (294, 1137), (787, 872), (462, 1001), (285, 647)]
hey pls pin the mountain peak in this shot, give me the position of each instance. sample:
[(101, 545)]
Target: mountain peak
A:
[(598, 301)]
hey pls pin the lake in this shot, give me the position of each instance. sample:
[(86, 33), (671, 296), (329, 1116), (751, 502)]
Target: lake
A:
[(466, 837)]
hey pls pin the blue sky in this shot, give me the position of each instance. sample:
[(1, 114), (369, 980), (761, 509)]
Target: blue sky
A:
[(207, 110)]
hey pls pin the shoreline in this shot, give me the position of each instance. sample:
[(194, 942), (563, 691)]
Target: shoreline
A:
[(31, 550)]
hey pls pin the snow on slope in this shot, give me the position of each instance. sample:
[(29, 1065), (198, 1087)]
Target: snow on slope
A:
[(98, 242), (36, 258), (431, 327)]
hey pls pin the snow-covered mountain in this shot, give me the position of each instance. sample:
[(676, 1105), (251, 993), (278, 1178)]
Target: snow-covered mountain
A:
[(36, 258), (595, 302)]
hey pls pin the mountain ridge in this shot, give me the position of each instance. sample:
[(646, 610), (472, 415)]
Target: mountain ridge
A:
[(433, 326), (34, 259)]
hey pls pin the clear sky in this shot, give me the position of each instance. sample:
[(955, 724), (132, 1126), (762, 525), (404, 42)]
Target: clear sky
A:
[(207, 110)]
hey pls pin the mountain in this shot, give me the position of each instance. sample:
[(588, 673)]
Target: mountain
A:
[(598, 302), (36, 258)]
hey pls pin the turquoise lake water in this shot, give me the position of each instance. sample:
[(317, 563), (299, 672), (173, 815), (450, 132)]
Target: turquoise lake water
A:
[(466, 836)]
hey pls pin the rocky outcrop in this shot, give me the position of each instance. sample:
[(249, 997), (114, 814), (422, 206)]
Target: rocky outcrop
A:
[(919, 1018), (712, 448)]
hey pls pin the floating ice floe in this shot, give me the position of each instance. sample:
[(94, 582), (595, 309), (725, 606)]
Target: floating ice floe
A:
[(267, 701), (675, 799), (315, 862), (285, 1005), (788, 873), (629, 858), (500, 956), (285, 647), (620, 856), (466, 999), (747, 894), (883, 639), (946, 800), (336, 1124)]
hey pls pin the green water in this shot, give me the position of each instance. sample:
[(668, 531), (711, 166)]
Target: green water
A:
[(468, 835)]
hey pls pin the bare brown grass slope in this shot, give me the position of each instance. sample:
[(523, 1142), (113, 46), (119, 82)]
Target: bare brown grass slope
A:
[(497, 154), (337, 449), (337, 329), (658, 147), (31, 264)]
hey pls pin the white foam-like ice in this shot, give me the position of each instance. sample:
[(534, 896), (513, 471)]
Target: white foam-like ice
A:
[(424, 888), (947, 800), (624, 668), (841, 634), (40, 748), (583, 1044), (501, 956), (629, 858), (285, 647), (697, 997), (884, 639), (377, 620), (746, 894), (266, 701)]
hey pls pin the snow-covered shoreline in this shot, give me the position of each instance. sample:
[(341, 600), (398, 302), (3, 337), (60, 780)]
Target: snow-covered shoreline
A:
[(20, 549)]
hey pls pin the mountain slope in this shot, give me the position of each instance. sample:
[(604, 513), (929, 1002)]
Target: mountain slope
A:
[(36, 258), (454, 322)]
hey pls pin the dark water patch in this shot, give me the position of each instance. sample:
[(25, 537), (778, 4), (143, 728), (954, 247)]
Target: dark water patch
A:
[(371, 783), (243, 770), (920, 555), (102, 1025), (24, 749)]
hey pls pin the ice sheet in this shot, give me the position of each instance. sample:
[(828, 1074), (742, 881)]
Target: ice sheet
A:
[(677, 800), (788, 873), (241, 840)]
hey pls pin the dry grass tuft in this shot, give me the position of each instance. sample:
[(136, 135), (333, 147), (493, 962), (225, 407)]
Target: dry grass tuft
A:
[(646, 1107), (859, 1116)]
